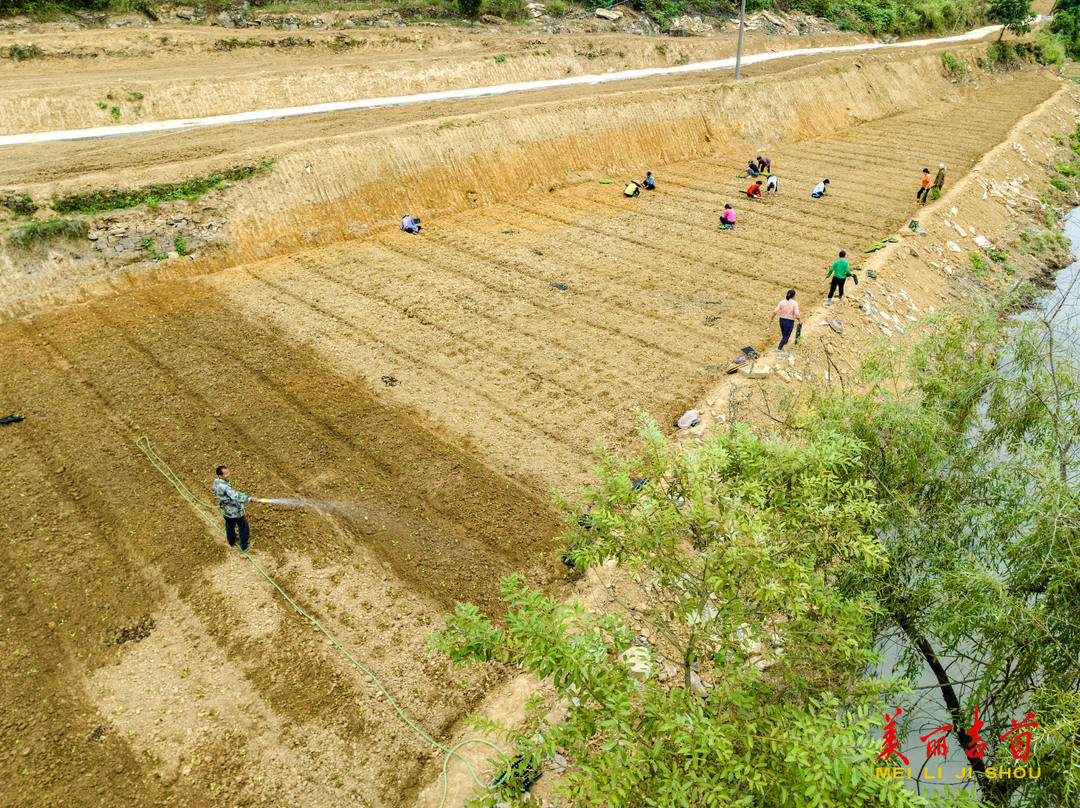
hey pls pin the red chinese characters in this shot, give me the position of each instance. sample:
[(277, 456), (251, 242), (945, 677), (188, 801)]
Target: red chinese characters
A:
[(976, 749), (936, 746), (890, 746), (1020, 742)]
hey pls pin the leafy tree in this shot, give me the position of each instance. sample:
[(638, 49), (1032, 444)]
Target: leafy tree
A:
[(977, 466), (724, 586), (469, 8), (1014, 15), (1066, 24)]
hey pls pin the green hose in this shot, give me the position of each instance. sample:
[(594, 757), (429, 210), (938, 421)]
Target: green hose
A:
[(204, 509)]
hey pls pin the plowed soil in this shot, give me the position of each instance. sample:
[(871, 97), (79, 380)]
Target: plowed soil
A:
[(435, 385)]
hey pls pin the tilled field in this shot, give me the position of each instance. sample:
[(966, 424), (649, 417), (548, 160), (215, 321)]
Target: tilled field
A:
[(233, 698), (467, 318), (438, 385)]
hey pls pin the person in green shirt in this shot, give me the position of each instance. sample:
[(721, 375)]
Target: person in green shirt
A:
[(839, 272)]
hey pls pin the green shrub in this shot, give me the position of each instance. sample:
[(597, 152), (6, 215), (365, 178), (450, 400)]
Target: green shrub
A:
[(1066, 25), (556, 8), (48, 230), (1002, 56), (954, 68), (1049, 49), (1060, 184), (513, 10), (469, 8), (997, 256), (19, 53), (978, 263)]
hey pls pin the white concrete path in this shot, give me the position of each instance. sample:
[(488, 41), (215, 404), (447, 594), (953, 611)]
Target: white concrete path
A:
[(450, 95)]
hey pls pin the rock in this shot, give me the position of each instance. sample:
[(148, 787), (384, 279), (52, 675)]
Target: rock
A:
[(689, 26), (608, 14), (697, 687), (757, 371), (491, 19), (185, 13), (638, 662), (952, 245), (982, 241), (173, 254), (914, 251), (225, 21), (960, 230)]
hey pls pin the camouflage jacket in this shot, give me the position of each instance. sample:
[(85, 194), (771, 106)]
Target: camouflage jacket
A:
[(230, 500)]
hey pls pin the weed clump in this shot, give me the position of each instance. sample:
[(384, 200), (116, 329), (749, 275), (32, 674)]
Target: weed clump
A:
[(19, 53), (43, 232), (954, 68)]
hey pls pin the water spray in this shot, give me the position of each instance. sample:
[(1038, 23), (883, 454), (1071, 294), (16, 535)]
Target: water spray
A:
[(327, 506)]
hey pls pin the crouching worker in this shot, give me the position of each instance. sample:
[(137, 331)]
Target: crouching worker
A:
[(231, 503), (820, 190), (727, 218), (649, 184), (632, 189), (754, 191), (410, 224)]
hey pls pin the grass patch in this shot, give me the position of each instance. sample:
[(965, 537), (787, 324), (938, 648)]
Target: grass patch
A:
[(34, 233), (152, 195), (19, 53), (978, 263)]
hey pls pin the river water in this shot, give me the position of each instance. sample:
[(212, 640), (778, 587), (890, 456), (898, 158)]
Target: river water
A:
[(923, 708)]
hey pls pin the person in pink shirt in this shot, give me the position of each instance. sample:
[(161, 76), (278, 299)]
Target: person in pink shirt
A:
[(788, 310), (727, 218)]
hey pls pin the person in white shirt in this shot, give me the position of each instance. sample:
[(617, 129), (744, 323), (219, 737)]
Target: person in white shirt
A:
[(820, 189)]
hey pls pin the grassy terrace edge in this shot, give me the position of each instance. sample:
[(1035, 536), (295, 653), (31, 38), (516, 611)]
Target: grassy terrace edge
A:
[(99, 201)]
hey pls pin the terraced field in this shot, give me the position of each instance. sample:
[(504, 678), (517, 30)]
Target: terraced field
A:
[(465, 315), (437, 385)]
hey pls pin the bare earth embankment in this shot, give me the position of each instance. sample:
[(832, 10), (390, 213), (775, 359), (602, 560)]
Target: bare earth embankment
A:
[(439, 383)]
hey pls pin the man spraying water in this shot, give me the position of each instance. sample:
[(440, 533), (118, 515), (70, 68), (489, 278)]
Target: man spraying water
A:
[(232, 502)]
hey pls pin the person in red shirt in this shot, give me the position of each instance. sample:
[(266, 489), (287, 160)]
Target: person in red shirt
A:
[(754, 191), (924, 190)]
